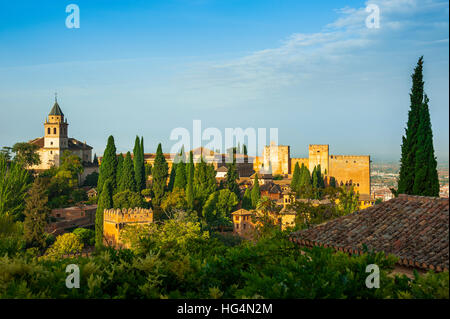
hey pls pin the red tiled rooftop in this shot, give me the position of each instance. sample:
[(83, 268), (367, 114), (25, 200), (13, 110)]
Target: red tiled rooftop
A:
[(413, 228)]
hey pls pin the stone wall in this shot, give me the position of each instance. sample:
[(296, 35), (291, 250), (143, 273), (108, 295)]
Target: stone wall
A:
[(115, 220), (351, 169)]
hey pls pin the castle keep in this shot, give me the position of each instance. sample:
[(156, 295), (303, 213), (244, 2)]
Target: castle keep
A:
[(115, 220), (346, 169)]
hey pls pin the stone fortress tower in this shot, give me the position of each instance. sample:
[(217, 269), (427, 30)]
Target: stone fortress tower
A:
[(114, 220), (277, 158), (346, 169)]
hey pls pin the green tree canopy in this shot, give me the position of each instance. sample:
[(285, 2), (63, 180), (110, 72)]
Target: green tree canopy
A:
[(410, 139), (426, 180), (127, 180), (26, 154), (159, 172), (120, 160), (36, 214), (105, 201), (255, 193), (128, 199), (217, 209), (108, 166), (14, 184), (295, 182)]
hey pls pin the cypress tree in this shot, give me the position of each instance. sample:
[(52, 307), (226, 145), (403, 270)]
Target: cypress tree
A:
[(159, 172), (190, 181), (119, 169), (320, 180), (332, 182), (180, 176), (95, 161), (295, 182), (142, 161), (231, 179), (204, 181), (305, 178), (247, 199), (409, 141), (426, 181), (36, 214), (315, 182), (127, 179), (173, 173), (255, 193), (108, 166), (104, 202), (138, 162)]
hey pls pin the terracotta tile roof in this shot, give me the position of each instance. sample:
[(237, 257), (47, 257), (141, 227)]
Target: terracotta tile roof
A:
[(413, 228), (271, 188), (222, 169), (241, 212), (73, 144), (38, 141)]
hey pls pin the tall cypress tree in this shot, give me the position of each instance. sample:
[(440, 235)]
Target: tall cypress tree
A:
[(108, 166), (120, 160), (104, 202), (315, 182), (204, 181), (138, 163), (190, 167), (160, 172), (173, 173), (305, 178), (231, 179), (180, 176), (409, 141), (36, 214), (255, 193), (247, 199), (295, 182), (127, 179), (426, 181), (142, 162)]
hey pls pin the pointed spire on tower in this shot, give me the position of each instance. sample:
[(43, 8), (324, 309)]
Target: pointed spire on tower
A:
[(56, 110)]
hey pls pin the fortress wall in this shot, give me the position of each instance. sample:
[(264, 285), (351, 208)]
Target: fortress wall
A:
[(277, 156), (115, 219), (300, 161), (319, 155), (346, 168)]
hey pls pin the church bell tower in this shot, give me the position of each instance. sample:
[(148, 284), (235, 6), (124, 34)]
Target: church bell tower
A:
[(56, 138)]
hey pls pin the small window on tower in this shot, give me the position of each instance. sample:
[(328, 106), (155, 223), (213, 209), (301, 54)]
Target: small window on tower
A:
[(54, 130), (48, 130)]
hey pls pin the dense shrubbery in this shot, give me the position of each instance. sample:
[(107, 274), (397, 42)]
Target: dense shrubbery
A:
[(179, 260)]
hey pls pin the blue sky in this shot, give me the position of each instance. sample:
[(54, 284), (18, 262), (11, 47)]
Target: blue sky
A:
[(310, 68)]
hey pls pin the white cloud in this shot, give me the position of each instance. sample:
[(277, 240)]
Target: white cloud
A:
[(341, 46)]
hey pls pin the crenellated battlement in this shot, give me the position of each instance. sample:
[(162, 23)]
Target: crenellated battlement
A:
[(349, 157), (127, 215), (115, 219)]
